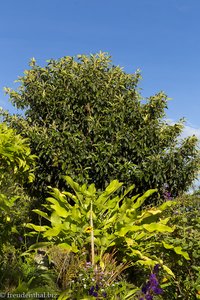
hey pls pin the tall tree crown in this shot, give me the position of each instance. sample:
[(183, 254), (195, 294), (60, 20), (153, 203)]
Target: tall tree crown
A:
[(85, 117)]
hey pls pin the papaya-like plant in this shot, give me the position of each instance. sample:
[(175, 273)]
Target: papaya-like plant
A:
[(100, 221)]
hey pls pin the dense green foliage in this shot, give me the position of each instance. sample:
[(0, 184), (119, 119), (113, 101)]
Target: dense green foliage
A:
[(16, 167), (86, 117), (15, 157), (105, 221), (85, 131), (186, 216), (98, 223)]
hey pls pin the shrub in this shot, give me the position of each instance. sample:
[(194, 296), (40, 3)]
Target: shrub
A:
[(100, 221), (186, 216)]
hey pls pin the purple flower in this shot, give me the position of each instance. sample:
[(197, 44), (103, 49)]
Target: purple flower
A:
[(152, 285), (152, 277), (149, 297), (167, 195), (153, 280), (146, 287), (156, 268), (157, 290), (91, 291), (95, 294)]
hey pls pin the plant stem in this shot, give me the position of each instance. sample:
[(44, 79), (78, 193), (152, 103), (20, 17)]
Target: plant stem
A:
[(92, 233)]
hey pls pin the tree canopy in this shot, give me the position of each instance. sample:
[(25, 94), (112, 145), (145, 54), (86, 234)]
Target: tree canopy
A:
[(85, 118)]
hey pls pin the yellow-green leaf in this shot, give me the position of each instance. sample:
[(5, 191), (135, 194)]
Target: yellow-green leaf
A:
[(52, 231), (157, 227), (177, 250), (37, 227), (168, 270)]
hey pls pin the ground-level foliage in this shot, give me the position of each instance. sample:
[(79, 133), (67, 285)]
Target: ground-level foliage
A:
[(103, 245), (186, 216)]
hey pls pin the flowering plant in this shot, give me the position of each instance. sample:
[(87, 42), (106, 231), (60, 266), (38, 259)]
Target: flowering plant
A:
[(151, 287), (100, 282)]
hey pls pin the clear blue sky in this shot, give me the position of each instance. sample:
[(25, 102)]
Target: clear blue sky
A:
[(161, 37)]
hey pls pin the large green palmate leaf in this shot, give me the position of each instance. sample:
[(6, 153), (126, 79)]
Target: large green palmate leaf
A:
[(61, 211), (141, 199), (41, 213), (105, 196), (123, 231), (115, 223), (37, 228), (52, 232)]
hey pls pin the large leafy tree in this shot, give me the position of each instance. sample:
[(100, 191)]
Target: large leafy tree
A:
[(86, 117)]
